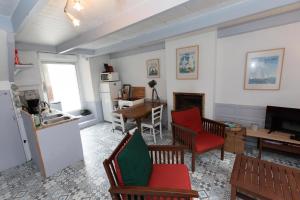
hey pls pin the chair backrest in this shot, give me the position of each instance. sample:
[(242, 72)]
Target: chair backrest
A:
[(118, 121), (189, 118), (157, 114)]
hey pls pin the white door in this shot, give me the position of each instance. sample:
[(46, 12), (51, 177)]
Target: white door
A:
[(104, 87), (107, 106), (11, 145), (115, 87)]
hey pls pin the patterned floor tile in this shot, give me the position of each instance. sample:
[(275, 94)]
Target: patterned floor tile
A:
[(87, 179)]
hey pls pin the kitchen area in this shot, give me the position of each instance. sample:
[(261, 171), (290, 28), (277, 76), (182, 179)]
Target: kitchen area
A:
[(43, 112), (48, 137)]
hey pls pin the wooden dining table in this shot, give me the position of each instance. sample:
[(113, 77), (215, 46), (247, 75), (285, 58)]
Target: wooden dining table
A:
[(140, 111)]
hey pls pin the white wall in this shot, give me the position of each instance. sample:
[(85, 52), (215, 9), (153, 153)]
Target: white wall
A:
[(231, 66), (4, 72), (132, 70), (31, 76), (206, 81)]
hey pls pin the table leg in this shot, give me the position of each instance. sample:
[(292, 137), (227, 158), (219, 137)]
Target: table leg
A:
[(260, 148), (139, 122), (233, 193)]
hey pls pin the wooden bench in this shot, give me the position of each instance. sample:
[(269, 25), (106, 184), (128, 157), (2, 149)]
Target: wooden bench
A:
[(253, 178)]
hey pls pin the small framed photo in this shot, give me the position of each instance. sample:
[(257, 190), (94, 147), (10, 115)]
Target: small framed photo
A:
[(153, 68), (263, 69), (187, 61)]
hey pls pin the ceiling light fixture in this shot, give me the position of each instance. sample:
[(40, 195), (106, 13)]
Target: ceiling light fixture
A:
[(75, 21), (77, 5)]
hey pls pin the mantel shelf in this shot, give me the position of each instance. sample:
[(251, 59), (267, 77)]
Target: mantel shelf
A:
[(21, 67)]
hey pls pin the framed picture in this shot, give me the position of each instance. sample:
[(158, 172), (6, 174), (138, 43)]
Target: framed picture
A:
[(153, 68), (263, 69), (187, 61)]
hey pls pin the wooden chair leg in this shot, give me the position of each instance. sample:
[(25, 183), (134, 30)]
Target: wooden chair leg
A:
[(222, 153), (160, 130), (152, 131), (193, 161), (233, 193)]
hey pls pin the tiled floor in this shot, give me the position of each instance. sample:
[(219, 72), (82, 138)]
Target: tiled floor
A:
[(87, 179)]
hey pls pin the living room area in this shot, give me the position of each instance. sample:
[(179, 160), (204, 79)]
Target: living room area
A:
[(191, 100)]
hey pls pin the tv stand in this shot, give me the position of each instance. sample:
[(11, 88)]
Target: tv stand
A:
[(275, 140)]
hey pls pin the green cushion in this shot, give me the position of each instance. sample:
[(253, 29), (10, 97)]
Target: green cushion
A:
[(134, 162)]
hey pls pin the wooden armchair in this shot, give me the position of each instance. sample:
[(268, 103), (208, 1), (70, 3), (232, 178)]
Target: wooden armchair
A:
[(197, 134), (167, 155)]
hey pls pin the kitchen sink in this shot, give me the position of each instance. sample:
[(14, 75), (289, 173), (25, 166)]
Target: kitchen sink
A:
[(56, 120), (46, 118)]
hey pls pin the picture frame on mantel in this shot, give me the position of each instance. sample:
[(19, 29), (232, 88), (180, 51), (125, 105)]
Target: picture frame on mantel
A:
[(263, 69), (187, 63), (153, 70)]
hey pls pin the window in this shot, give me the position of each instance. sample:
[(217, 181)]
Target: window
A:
[(62, 85)]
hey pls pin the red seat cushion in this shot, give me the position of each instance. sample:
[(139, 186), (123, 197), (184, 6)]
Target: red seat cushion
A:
[(189, 118), (175, 176), (206, 141)]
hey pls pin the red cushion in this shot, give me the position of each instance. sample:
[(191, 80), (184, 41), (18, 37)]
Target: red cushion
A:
[(175, 176), (206, 141), (189, 118)]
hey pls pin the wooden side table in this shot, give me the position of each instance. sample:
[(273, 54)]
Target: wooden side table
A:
[(234, 140), (265, 180)]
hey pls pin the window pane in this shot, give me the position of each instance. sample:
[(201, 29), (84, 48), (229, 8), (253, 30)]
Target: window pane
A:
[(63, 86)]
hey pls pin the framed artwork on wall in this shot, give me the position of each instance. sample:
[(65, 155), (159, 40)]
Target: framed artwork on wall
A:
[(263, 69), (153, 68), (187, 61)]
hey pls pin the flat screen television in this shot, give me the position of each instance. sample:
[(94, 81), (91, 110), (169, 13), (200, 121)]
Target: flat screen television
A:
[(283, 119)]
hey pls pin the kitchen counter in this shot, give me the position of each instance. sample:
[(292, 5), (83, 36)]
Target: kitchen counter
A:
[(53, 146), (43, 126)]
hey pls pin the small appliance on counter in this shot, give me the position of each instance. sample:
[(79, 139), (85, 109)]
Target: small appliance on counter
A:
[(33, 106), (109, 76)]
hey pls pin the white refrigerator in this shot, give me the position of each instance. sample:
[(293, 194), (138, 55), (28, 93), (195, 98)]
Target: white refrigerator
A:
[(108, 93), (12, 151)]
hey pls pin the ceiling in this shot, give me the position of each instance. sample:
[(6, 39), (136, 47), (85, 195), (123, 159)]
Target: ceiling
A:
[(51, 19), (174, 15), (7, 7), (107, 23), (50, 26)]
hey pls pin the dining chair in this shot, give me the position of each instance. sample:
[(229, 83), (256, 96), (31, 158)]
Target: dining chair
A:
[(119, 124), (153, 123)]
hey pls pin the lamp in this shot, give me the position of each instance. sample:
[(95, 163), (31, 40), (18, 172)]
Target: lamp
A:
[(76, 22), (152, 85), (78, 7)]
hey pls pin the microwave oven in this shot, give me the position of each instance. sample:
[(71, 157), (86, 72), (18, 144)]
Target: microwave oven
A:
[(109, 76)]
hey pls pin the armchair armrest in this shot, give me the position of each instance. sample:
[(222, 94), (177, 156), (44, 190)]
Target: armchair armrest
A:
[(137, 191), (183, 135), (213, 127), (166, 154)]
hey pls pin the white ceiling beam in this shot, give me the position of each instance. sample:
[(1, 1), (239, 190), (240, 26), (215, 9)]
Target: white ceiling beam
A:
[(81, 51), (35, 47), (5, 24), (141, 12), (51, 49), (205, 20), (138, 50), (268, 22), (24, 10)]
